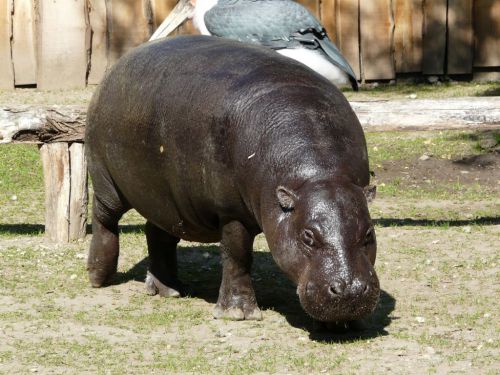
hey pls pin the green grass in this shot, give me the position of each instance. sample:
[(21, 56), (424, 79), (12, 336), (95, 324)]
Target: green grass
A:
[(401, 146), (424, 91)]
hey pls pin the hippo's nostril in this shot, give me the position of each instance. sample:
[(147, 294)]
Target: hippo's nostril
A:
[(336, 288)]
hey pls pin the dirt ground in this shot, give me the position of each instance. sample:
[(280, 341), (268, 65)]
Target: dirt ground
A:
[(438, 262)]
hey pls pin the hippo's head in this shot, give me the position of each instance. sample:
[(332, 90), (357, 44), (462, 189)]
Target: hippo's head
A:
[(324, 240)]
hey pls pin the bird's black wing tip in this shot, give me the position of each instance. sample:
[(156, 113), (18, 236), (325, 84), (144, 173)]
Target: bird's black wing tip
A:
[(354, 84)]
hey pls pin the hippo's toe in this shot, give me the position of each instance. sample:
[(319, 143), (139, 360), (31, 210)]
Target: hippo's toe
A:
[(155, 286), (237, 313)]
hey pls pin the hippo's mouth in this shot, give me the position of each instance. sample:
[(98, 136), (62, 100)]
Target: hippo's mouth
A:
[(321, 304)]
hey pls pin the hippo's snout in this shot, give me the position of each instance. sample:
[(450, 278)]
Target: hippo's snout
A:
[(339, 288), (340, 300)]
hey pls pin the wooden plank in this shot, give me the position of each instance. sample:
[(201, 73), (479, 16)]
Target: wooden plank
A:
[(408, 20), (347, 32), (130, 23), (56, 176), (23, 43), (434, 42), (78, 200), (161, 9), (487, 30), (328, 12), (99, 42), (460, 37), (6, 68), (377, 29), (61, 45)]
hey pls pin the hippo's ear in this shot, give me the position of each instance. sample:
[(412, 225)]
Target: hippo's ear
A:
[(286, 198), (370, 192)]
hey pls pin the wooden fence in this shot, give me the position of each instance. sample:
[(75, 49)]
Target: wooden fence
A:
[(59, 44)]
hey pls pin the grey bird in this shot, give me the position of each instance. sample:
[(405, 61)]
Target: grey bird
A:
[(283, 25)]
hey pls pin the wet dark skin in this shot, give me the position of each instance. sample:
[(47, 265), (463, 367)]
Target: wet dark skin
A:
[(212, 140)]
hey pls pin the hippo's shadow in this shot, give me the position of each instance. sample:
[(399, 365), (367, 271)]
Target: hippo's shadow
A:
[(200, 268)]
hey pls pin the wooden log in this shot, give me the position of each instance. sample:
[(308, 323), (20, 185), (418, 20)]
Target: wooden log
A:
[(67, 123), (61, 44), (6, 68), (434, 39), (78, 198), (377, 33), (56, 176), (429, 114), (23, 43), (99, 41), (408, 20), (487, 30), (460, 37), (42, 124)]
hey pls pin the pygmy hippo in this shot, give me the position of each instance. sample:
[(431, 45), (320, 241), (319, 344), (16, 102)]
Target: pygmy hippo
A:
[(214, 140)]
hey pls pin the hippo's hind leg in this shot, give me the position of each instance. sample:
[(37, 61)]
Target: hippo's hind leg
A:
[(236, 295), (162, 274), (104, 249)]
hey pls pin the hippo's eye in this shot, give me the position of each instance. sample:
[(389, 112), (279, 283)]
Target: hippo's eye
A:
[(308, 237), (369, 236)]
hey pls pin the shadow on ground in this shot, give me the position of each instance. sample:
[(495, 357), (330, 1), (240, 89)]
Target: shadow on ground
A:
[(200, 268)]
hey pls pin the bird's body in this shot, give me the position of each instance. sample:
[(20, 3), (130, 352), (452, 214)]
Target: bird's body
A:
[(283, 25)]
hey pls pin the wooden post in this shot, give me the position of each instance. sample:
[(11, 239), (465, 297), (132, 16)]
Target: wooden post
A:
[(23, 43), (65, 179), (434, 38), (377, 33), (6, 68), (78, 197), (61, 44), (408, 21), (487, 33), (99, 43), (460, 37)]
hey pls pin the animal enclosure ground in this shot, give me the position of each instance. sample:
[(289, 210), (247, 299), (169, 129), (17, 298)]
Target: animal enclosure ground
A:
[(438, 230)]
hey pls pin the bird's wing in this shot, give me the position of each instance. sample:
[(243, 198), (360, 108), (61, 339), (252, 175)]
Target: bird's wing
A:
[(276, 24), (259, 21)]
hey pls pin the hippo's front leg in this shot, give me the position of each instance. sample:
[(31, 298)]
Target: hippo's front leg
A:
[(236, 295)]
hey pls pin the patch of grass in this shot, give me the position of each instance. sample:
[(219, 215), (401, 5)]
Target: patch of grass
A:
[(21, 184), (451, 144), (424, 90), (34, 97)]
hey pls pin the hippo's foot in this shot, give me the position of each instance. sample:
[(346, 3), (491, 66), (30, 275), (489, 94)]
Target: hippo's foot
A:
[(155, 286), (98, 278), (238, 311)]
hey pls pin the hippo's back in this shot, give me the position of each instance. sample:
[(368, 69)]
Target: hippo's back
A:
[(173, 127)]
